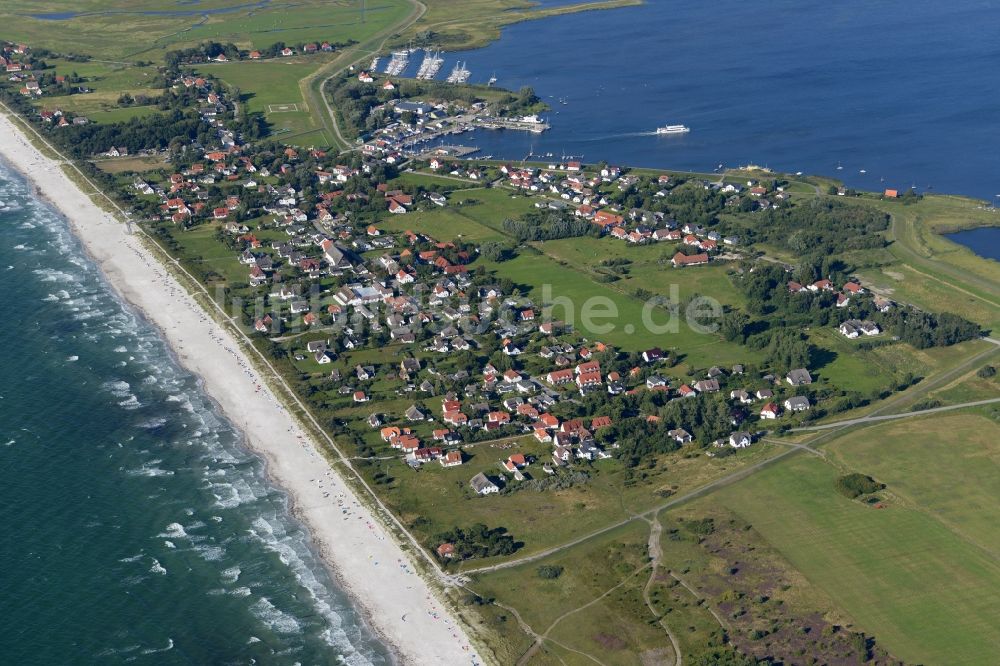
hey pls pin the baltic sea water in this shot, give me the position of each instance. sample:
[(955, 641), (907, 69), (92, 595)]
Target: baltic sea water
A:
[(137, 529)]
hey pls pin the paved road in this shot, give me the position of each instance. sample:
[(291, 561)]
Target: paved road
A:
[(718, 483), (312, 86), (889, 417)]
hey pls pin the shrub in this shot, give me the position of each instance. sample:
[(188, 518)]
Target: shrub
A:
[(854, 485), (549, 571)]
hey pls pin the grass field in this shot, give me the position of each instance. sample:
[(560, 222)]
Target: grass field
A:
[(443, 224), (126, 29), (908, 573), (933, 272), (625, 328), (267, 85), (137, 164), (948, 467), (572, 608), (650, 268), (459, 24)]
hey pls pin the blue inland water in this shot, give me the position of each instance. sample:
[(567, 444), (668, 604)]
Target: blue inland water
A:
[(984, 241), (903, 89), (136, 528)]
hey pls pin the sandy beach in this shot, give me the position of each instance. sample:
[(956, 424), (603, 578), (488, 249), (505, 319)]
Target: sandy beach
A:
[(379, 576)]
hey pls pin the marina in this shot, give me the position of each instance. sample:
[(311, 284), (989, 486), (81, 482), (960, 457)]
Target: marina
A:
[(430, 66), (398, 62), (460, 74)]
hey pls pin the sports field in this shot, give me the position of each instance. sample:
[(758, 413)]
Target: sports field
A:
[(272, 87)]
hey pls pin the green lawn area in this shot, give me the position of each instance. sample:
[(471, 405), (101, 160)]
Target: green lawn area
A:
[(947, 466), (443, 224), (843, 364), (904, 573), (625, 328), (200, 247), (266, 83), (492, 206), (650, 268), (121, 114)]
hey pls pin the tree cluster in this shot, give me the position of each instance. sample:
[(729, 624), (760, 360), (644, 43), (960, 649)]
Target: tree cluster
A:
[(478, 541)]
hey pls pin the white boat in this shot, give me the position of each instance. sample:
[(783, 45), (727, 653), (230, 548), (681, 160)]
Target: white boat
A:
[(672, 129)]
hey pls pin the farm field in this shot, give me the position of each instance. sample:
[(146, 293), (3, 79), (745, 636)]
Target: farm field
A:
[(902, 573)]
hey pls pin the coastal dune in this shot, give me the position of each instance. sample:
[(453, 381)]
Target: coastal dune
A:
[(367, 560)]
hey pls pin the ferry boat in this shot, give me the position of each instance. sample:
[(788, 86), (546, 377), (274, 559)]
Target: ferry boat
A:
[(672, 129)]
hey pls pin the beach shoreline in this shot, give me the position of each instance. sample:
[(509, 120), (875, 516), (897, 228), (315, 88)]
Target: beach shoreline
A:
[(364, 557)]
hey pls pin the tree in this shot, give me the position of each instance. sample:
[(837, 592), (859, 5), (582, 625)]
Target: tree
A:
[(734, 326), (497, 251)]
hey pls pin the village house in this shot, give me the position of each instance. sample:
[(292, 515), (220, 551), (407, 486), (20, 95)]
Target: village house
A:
[(798, 377), (451, 459), (853, 328), (797, 403), (680, 435), (482, 485), (681, 260), (770, 411), (740, 440)]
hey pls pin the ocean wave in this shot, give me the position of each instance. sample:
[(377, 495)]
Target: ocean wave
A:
[(150, 470), (274, 618), (117, 387), (130, 403), (231, 575), (232, 495), (170, 646), (157, 568), (293, 551), (174, 531), (152, 424), (210, 553)]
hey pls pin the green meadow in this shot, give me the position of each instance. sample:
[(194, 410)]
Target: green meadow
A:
[(920, 574), (127, 29)]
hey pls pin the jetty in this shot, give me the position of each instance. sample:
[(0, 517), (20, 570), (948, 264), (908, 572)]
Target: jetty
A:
[(526, 124)]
